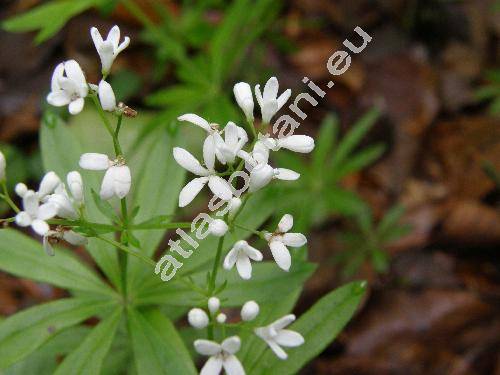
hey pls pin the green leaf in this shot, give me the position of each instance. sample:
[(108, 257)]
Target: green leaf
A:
[(89, 356), (358, 161), (47, 18), (351, 140), (390, 219), (266, 285), (61, 151), (325, 140), (158, 348), (25, 257), (104, 207), (319, 326), (344, 201), (24, 332)]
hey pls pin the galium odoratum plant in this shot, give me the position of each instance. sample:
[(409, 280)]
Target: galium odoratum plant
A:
[(121, 218)]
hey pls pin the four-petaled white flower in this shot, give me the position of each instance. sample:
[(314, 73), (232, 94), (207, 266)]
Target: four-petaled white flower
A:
[(276, 336), (235, 137), (269, 101), (261, 173), (279, 240), (240, 254), (110, 48), (221, 356), (297, 143), (106, 96), (34, 214), (56, 235), (70, 89), (218, 185), (243, 94), (116, 181)]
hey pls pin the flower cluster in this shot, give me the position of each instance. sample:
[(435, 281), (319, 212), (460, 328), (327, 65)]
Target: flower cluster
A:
[(227, 151)]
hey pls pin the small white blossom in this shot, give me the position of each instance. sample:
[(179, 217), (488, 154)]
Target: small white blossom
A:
[(218, 228), (110, 48), (34, 214), (235, 137), (221, 318), (70, 89), (217, 185), (243, 94), (240, 254), (197, 318), (116, 181), (269, 101), (249, 311), (276, 336), (211, 144), (279, 240), (106, 96), (213, 304), (297, 143), (56, 235), (221, 356), (261, 173), (3, 165)]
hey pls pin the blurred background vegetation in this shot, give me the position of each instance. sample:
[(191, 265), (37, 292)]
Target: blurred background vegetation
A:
[(402, 188)]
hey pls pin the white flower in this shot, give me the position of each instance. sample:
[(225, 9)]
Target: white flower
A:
[(218, 228), (235, 138), (297, 143), (34, 214), (110, 48), (70, 89), (218, 185), (75, 185), (221, 356), (276, 336), (56, 235), (213, 140), (197, 318), (221, 318), (48, 185), (107, 96), (279, 240), (213, 304), (249, 311), (3, 165), (269, 101), (117, 179), (261, 173), (240, 254), (243, 94)]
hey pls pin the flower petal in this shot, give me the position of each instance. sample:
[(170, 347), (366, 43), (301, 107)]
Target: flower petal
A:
[(74, 238), (281, 255), (289, 338), (191, 190), (294, 239), (230, 259), (74, 72), (271, 89), (297, 143), (231, 345), (122, 181), (212, 367), (47, 211), (96, 37), (283, 322), (253, 253), (23, 219), (48, 184), (107, 185), (58, 74), (220, 187), (286, 174), (40, 227), (107, 96), (189, 162), (280, 353), (268, 110), (233, 366), (94, 162), (286, 223), (30, 203), (209, 152), (76, 106), (207, 347), (258, 95), (283, 98), (260, 176), (196, 120), (114, 36), (58, 98), (244, 266)]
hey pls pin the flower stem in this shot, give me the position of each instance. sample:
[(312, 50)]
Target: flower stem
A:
[(213, 275), (7, 199), (122, 257), (257, 233), (127, 250)]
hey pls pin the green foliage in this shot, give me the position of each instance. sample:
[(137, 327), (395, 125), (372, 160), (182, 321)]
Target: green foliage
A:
[(318, 194), (368, 240), (491, 91)]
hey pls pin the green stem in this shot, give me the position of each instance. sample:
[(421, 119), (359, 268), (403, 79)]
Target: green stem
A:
[(248, 229), (127, 250), (122, 257), (213, 275), (7, 199)]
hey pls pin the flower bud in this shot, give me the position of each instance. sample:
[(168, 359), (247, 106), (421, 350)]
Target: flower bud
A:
[(249, 311), (218, 227), (221, 318), (75, 185), (198, 318), (107, 96), (243, 94), (3, 165), (213, 304), (21, 189), (48, 184)]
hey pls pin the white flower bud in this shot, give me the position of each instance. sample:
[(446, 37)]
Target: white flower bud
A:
[(48, 184), (198, 318), (3, 165), (249, 311), (244, 98), (221, 318), (107, 96), (75, 185), (213, 304), (218, 227), (21, 189), (234, 206)]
